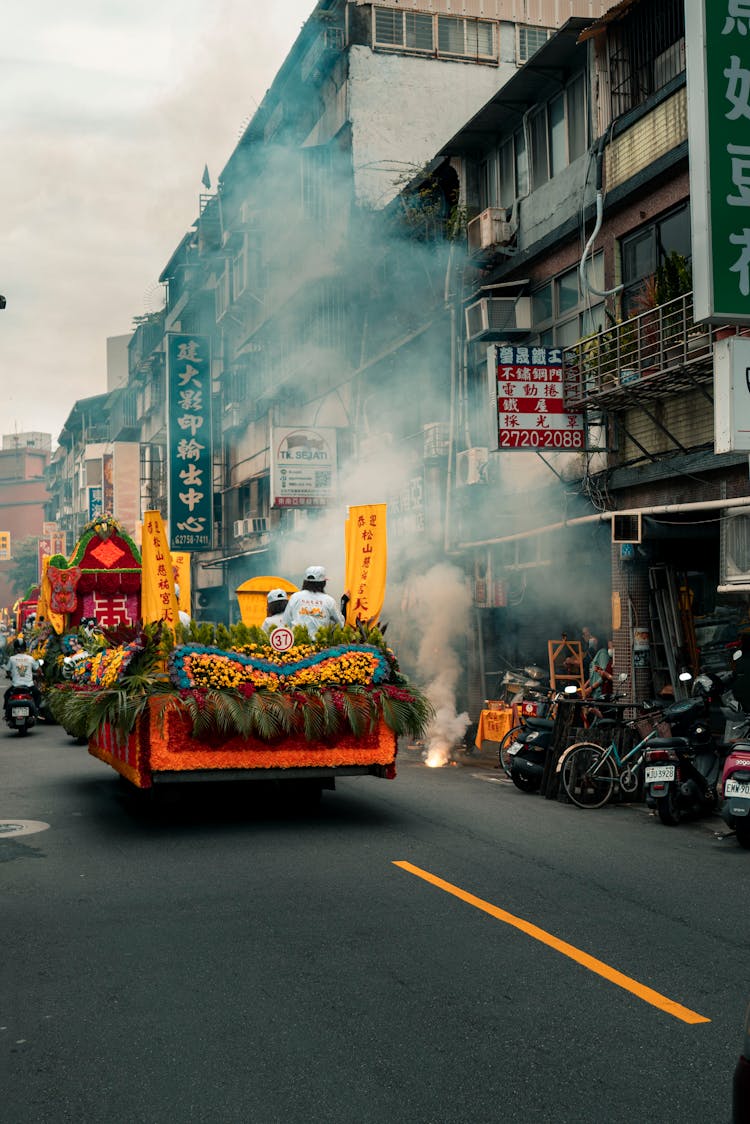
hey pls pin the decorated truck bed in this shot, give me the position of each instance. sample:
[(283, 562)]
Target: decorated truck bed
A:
[(210, 704)]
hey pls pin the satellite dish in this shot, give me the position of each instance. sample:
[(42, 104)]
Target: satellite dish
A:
[(155, 297)]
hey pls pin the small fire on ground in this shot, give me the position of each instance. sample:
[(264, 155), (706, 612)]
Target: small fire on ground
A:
[(438, 755)]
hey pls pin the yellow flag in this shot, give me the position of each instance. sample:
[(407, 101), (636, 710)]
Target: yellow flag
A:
[(57, 620), (181, 572), (366, 562), (158, 601)]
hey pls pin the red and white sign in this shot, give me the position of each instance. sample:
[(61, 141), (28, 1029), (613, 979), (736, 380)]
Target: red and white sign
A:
[(527, 386), (282, 639)]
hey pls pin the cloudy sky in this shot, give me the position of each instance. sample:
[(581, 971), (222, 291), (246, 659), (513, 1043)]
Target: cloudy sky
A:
[(109, 110)]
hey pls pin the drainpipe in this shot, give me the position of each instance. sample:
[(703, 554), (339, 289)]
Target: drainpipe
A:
[(603, 516), (586, 286)]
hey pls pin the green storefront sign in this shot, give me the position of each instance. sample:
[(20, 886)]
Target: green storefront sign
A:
[(718, 80), (189, 442)]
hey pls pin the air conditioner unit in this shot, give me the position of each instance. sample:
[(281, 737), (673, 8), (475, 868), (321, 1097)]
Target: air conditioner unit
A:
[(498, 318), (238, 528), (490, 230), (735, 550), (627, 528), (471, 466)]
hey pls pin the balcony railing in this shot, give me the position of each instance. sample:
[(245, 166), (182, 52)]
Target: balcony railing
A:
[(652, 355)]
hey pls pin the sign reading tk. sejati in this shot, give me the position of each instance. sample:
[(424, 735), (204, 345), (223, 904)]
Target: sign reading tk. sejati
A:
[(717, 41), (303, 466), (189, 441)]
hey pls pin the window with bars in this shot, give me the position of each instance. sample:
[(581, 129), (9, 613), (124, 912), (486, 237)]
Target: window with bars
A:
[(646, 51), (445, 36), (530, 39)]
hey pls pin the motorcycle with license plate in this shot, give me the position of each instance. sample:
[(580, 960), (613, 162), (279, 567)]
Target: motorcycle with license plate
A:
[(734, 789), (21, 710), (683, 771)]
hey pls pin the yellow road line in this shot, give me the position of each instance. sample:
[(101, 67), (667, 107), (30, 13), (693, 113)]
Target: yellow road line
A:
[(647, 994)]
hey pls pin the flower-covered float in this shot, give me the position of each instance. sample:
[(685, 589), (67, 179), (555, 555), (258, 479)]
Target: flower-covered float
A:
[(209, 702)]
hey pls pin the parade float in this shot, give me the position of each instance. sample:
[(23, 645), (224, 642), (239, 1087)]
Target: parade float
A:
[(159, 702)]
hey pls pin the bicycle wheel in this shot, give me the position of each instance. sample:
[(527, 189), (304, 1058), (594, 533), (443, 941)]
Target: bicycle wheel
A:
[(588, 776), (507, 741)]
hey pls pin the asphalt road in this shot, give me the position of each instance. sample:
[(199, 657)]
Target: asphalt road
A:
[(229, 960)]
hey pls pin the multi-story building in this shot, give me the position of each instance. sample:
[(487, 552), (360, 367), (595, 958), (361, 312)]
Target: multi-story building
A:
[(23, 495), (90, 473), (276, 271), (576, 174)]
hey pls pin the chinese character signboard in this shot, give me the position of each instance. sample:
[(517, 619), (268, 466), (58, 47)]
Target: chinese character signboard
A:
[(732, 395), (303, 467), (158, 601), (718, 82), (526, 385), (95, 502), (5, 546), (366, 562), (406, 511), (189, 441)]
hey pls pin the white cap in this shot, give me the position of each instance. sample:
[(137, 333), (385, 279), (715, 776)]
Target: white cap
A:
[(315, 574), (277, 595)]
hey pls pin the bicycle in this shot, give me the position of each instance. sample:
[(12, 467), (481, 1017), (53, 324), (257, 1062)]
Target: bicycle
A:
[(589, 771)]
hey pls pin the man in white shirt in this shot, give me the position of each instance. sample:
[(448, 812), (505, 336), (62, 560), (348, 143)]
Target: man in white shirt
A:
[(21, 670), (311, 606)]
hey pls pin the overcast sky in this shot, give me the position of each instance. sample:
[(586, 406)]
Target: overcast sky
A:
[(109, 110)]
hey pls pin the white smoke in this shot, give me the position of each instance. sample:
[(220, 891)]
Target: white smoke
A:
[(438, 605)]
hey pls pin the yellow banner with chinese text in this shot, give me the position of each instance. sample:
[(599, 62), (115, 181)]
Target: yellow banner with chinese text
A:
[(366, 562), (158, 601), (181, 571), (43, 609)]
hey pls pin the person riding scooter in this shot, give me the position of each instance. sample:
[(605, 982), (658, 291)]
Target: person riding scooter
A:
[(21, 670)]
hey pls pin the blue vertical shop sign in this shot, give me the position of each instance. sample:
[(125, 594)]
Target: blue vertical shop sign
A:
[(190, 453)]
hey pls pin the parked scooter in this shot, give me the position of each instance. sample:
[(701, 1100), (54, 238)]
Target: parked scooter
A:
[(734, 790), (683, 771), (528, 753)]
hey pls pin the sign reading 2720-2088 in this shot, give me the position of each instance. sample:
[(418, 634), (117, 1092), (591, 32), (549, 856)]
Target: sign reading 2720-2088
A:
[(189, 438), (528, 389)]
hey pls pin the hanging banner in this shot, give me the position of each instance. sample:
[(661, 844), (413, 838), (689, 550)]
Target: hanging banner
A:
[(190, 454), (108, 484), (526, 386), (718, 94), (158, 601), (181, 573), (366, 562), (303, 467)]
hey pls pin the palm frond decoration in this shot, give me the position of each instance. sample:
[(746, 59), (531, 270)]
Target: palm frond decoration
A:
[(359, 709), (269, 715), (409, 715), (313, 716)]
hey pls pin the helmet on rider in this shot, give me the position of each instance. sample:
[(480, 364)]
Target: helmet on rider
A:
[(19, 644)]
